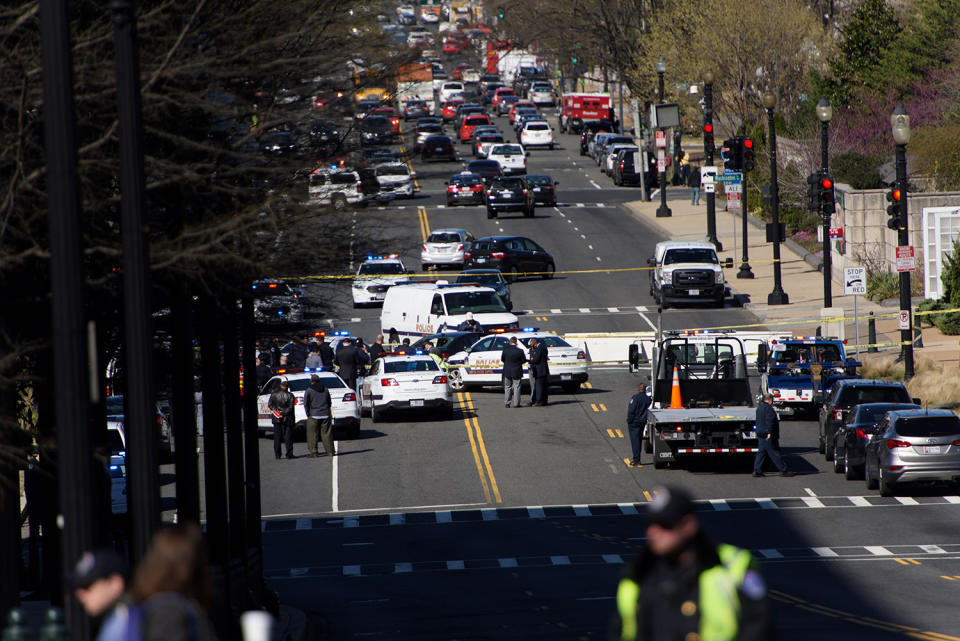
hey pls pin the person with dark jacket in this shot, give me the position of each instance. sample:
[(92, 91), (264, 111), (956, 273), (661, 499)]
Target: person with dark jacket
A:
[(539, 373), (768, 438), (513, 359), (682, 585), (349, 359), (403, 348), (275, 354), (469, 324), (281, 404), (263, 373), (693, 182), (377, 350), (326, 355), (317, 405), (299, 351), (636, 420)]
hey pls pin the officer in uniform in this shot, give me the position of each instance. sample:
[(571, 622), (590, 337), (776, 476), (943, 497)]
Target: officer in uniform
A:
[(636, 419), (683, 587)]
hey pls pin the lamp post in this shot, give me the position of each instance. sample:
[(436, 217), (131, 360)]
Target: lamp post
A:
[(662, 211), (777, 296), (825, 113), (708, 148), (900, 124)]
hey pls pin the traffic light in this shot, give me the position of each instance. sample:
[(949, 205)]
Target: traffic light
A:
[(746, 155), (813, 192), (827, 196), (708, 139), (895, 208), (500, 14), (573, 60), (733, 160)]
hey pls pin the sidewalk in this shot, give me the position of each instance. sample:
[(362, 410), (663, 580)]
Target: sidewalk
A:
[(800, 278)]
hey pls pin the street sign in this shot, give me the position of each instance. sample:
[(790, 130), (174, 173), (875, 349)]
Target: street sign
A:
[(733, 201), (661, 139), (905, 259), (903, 319), (733, 188), (854, 281), (836, 232), (661, 161), (707, 175), (729, 177)]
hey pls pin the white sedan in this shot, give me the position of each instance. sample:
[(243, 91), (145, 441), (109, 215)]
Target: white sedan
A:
[(375, 276), (481, 364), (536, 133), (346, 410), (512, 158), (405, 382)]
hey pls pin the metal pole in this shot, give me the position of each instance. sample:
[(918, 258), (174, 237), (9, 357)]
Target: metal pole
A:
[(620, 92), (251, 451), (660, 83), (184, 410), (777, 296), (66, 279), (708, 151), (825, 220), (745, 271), (903, 239), (236, 492), (139, 413), (662, 211)]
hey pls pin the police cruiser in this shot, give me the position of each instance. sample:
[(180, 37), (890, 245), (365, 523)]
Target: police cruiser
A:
[(375, 276)]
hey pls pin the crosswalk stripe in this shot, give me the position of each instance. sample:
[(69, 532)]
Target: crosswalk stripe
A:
[(933, 549), (860, 501), (397, 519), (536, 512), (507, 563), (613, 309), (351, 570), (825, 552), (612, 558), (627, 509), (907, 500), (766, 504), (878, 550), (402, 568), (720, 505), (444, 517), (560, 560), (770, 554), (455, 565), (812, 501), (489, 514), (952, 499), (304, 524), (582, 510)]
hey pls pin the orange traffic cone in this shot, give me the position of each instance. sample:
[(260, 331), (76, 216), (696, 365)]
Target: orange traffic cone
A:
[(675, 402)]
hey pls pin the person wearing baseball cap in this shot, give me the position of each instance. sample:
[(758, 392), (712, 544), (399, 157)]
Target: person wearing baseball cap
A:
[(100, 582), (681, 585)]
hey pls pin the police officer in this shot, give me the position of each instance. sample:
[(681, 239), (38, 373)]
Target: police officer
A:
[(682, 586), (469, 324), (281, 404), (349, 359), (768, 438), (636, 419)]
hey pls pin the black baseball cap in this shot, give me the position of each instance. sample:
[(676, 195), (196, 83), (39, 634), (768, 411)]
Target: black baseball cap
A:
[(97, 564), (669, 505)]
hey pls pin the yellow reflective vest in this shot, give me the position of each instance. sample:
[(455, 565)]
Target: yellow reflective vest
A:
[(719, 605)]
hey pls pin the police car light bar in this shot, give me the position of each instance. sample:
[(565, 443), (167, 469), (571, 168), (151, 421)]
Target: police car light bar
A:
[(342, 332), (384, 257)]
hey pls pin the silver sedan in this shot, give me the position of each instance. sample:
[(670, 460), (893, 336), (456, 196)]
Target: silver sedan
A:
[(913, 446)]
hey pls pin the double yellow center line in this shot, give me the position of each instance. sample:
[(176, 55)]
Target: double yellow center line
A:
[(491, 492), (424, 223)]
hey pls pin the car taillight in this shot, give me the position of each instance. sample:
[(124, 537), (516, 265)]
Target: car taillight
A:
[(581, 355), (860, 433), (452, 188), (524, 192), (349, 397), (460, 247), (621, 165), (467, 254), (476, 188), (776, 393), (439, 380), (395, 121), (893, 443), (296, 400), (389, 382), (359, 188), (424, 247), (496, 255), (956, 442)]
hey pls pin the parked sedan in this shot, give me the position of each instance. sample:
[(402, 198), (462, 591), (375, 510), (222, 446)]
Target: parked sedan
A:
[(851, 438), (913, 445), (445, 247), (488, 278), (544, 189), (405, 383), (512, 255), (438, 147)]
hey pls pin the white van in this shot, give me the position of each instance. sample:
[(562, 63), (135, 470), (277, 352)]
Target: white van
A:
[(421, 309)]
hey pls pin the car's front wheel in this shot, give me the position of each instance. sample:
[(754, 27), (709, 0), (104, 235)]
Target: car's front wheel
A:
[(548, 271), (456, 379), (491, 213)]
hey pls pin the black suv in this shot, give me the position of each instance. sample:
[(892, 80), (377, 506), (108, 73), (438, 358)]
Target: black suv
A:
[(847, 393), (509, 193), (438, 147), (625, 171), (512, 255)]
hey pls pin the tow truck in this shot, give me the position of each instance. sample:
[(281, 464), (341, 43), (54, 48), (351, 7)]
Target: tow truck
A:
[(702, 404), (799, 371)]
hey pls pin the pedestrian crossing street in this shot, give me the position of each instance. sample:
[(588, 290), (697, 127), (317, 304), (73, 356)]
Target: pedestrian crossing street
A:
[(577, 511)]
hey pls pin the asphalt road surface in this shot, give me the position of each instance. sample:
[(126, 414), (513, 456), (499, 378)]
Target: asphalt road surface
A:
[(514, 523)]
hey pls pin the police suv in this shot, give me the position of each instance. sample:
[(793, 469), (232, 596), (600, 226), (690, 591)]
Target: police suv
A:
[(480, 364), (375, 276)]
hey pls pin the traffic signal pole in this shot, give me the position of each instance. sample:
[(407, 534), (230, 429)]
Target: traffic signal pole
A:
[(903, 240), (708, 148), (825, 221)]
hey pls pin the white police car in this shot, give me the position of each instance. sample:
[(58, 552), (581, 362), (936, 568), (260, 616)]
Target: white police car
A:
[(346, 410), (375, 276), (405, 382), (481, 365)]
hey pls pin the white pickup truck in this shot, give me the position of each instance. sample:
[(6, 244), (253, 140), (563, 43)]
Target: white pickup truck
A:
[(687, 272)]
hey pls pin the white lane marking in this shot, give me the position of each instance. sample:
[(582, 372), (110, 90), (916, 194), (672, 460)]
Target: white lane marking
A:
[(304, 524), (825, 552), (561, 213), (577, 229), (933, 549), (556, 311), (878, 550), (612, 558), (952, 499), (907, 500), (598, 259), (507, 563), (444, 517), (335, 485), (640, 308), (809, 491), (812, 502), (298, 571), (580, 205), (766, 504), (595, 185), (627, 508), (584, 310), (582, 510), (581, 235), (648, 321), (589, 246), (613, 309), (536, 512), (600, 205), (355, 319), (560, 560), (455, 565), (489, 514), (402, 568), (351, 521), (351, 570), (720, 505), (569, 221), (860, 501), (770, 554), (398, 519)]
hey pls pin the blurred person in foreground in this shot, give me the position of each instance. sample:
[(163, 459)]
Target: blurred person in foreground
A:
[(100, 580), (683, 587), (171, 587)]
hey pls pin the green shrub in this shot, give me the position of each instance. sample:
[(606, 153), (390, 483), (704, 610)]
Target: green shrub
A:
[(948, 324), (883, 285), (930, 305), (857, 170)]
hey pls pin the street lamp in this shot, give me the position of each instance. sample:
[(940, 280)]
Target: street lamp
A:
[(900, 124), (777, 296), (662, 211), (708, 149), (825, 113)]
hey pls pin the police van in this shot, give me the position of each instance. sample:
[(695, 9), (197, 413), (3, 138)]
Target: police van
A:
[(419, 309)]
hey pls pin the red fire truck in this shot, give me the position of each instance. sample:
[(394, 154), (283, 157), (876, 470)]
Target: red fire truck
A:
[(577, 107)]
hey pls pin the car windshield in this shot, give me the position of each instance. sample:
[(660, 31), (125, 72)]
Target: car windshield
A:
[(928, 426), (872, 413), (421, 365), (484, 166), (429, 127), (438, 140), (343, 178), (375, 124), (538, 126), (507, 150), (482, 279), (465, 180), (515, 184), (549, 341), (416, 103), (444, 237), (539, 180), (690, 255), (393, 170), (377, 269), (473, 121), (485, 245), (858, 395), (476, 302), (301, 384)]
